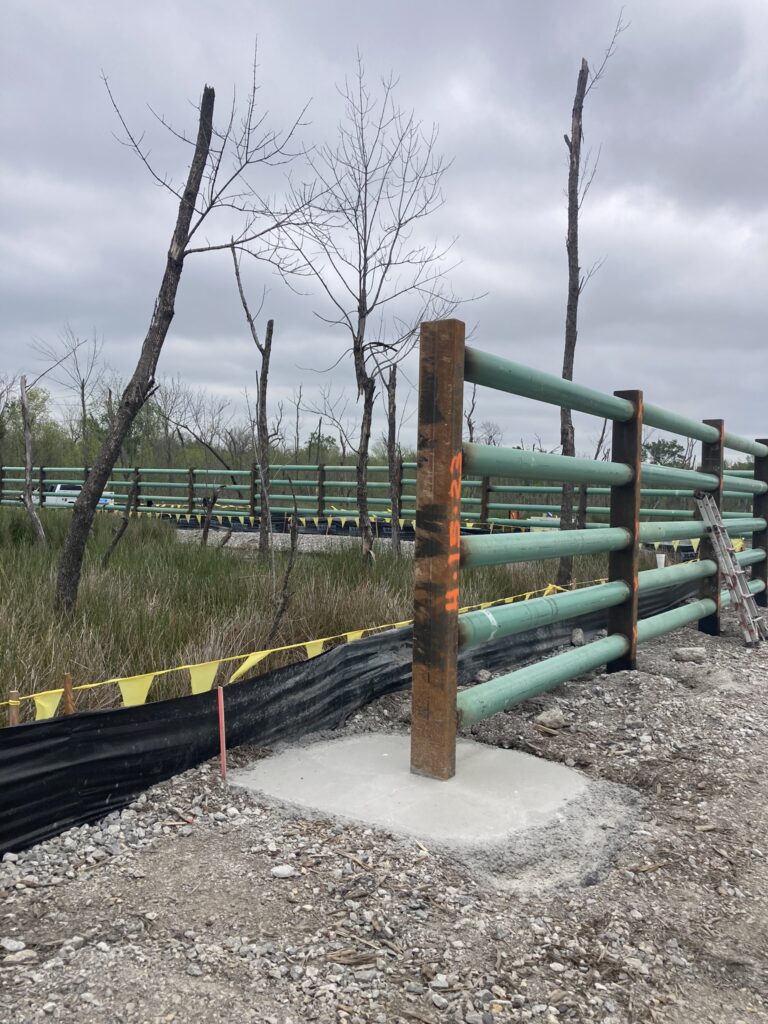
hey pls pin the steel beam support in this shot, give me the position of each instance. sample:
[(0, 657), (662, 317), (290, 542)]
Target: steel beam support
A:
[(712, 462), (438, 531), (760, 538), (626, 449)]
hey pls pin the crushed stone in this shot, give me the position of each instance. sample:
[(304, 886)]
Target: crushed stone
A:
[(199, 903)]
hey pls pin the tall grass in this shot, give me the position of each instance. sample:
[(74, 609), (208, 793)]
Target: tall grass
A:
[(161, 603)]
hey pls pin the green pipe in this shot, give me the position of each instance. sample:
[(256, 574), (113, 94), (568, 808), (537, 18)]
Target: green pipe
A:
[(744, 444), (505, 620), (750, 555), (490, 461), (651, 532), (486, 699), (739, 472), (671, 575), (495, 549), (662, 419), (666, 475), (747, 486), (145, 471), (756, 586), (666, 622), (503, 375)]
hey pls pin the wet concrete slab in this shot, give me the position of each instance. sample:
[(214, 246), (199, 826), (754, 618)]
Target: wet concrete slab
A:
[(495, 794)]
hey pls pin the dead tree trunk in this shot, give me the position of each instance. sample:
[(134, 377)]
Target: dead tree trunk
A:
[(262, 437), (567, 440), (27, 498), (262, 426), (142, 382), (361, 466), (393, 458), (125, 518)]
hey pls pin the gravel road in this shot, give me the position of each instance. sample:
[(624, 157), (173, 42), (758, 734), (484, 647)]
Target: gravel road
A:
[(200, 904)]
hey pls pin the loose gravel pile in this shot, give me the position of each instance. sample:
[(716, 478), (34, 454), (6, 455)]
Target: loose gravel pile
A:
[(200, 904)]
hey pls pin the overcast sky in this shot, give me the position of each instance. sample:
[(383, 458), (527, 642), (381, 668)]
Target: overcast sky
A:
[(678, 210)]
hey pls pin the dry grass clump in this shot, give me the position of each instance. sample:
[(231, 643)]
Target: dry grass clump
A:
[(161, 603)]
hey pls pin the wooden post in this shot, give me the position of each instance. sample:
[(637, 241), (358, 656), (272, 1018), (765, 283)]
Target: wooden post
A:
[(252, 491), (68, 697), (2, 475), (712, 462), (320, 489), (41, 485), (438, 539), (137, 486), (222, 734), (190, 492), (13, 707), (485, 490), (626, 447), (400, 486), (760, 539)]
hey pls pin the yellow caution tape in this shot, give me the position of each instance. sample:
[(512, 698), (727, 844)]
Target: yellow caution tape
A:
[(134, 690)]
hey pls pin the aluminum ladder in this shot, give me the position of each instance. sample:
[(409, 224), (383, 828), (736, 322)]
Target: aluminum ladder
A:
[(753, 625)]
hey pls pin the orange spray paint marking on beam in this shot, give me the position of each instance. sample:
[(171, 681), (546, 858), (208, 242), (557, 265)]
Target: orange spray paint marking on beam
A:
[(454, 534)]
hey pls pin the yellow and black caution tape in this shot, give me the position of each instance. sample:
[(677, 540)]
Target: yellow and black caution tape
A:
[(135, 689)]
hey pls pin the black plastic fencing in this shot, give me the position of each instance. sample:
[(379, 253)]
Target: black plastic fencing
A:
[(68, 771)]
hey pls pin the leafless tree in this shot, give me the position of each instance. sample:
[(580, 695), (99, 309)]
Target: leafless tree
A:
[(469, 415), (581, 173), (600, 452), (296, 401), (219, 179), (170, 402), (7, 390), (27, 496), (375, 185), (489, 432), (394, 457), (79, 371), (262, 424), (334, 409), (122, 526)]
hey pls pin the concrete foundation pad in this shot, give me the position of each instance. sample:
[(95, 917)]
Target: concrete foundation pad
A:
[(495, 794)]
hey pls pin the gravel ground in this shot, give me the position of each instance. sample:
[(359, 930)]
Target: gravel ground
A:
[(200, 904)]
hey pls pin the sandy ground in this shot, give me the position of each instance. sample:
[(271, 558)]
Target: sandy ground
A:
[(203, 904)]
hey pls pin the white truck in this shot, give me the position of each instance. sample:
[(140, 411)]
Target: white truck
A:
[(65, 496)]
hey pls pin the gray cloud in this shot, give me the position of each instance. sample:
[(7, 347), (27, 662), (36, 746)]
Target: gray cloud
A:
[(678, 207)]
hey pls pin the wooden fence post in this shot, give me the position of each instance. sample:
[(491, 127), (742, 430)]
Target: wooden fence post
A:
[(190, 492), (68, 697), (712, 462), (13, 707), (41, 485), (137, 485), (252, 491), (760, 539), (438, 539), (485, 491), (320, 488), (626, 447), (2, 476)]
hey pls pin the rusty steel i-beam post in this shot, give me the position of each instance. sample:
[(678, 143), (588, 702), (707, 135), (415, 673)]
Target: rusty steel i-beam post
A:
[(712, 462), (760, 539), (438, 539), (626, 447)]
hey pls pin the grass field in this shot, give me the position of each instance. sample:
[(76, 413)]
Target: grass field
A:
[(160, 603)]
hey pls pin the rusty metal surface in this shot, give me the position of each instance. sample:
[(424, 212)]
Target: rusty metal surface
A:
[(438, 505), (760, 539), (626, 447), (712, 462)]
